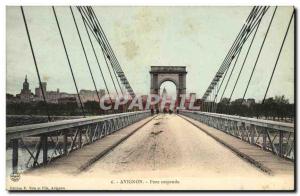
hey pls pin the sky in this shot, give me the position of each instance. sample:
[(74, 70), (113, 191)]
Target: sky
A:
[(196, 37)]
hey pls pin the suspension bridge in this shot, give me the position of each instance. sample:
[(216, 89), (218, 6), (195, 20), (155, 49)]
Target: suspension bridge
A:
[(206, 139)]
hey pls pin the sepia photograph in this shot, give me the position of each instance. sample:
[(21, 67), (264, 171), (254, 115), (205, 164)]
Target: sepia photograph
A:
[(150, 98)]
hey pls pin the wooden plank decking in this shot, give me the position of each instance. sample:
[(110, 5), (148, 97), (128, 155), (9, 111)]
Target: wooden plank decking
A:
[(81, 159), (265, 160)]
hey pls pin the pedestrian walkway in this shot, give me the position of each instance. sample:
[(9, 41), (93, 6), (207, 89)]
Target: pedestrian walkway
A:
[(80, 159), (264, 160)]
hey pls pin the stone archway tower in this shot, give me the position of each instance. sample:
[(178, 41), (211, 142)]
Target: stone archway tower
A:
[(175, 74)]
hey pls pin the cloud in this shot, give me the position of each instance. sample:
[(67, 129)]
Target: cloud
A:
[(131, 49), (146, 21)]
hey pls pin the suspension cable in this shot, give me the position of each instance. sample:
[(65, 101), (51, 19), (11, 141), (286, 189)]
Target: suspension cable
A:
[(106, 47), (100, 41), (230, 55), (92, 45), (252, 19), (283, 41), (248, 29), (221, 84), (261, 47), (236, 60), (35, 63), (114, 60), (86, 58), (244, 60), (69, 63), (242, 41)]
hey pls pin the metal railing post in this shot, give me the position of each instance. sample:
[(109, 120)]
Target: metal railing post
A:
[(80, 139), (15, 148), (44, 140), (264, 144), (280, 143), (252, 132), (65, 147)]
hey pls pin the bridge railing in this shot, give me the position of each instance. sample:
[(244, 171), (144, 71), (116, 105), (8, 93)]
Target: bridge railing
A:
[(277, 137), (55, 139)]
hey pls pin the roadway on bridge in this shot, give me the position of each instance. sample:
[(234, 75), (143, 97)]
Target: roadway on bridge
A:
[(168, 148)]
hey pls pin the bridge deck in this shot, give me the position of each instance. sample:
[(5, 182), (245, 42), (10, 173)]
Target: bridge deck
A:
[(265, 160), (166, 148), (79, 160)]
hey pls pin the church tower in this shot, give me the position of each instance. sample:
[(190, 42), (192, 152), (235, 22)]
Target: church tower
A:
[(164, 93), (25, 84), (25, 94)]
